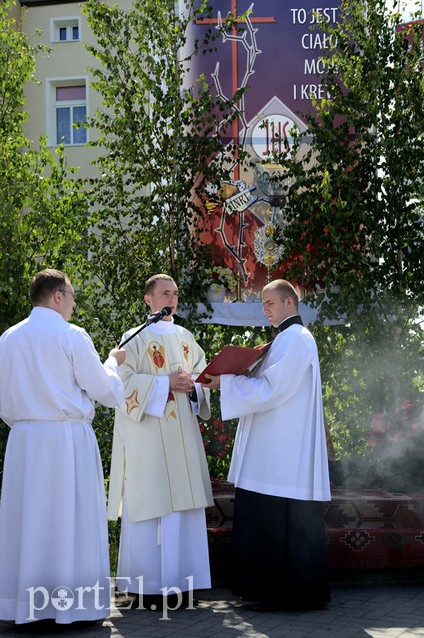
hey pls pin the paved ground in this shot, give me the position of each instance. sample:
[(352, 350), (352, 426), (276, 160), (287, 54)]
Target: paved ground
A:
[(377, 610)]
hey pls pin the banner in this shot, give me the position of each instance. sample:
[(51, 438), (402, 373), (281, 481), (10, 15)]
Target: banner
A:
[(277, 58)]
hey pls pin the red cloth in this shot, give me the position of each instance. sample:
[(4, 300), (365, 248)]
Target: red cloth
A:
[(365, 529)]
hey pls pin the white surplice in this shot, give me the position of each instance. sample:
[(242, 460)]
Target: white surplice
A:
[(54, 560), (159, 479), (280, 446)]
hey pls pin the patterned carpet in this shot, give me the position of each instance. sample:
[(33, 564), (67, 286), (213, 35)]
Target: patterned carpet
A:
[(365, 530)]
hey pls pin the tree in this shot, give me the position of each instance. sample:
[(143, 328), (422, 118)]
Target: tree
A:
[(356, 209), (43, 210), (160, 142), (355, 212)]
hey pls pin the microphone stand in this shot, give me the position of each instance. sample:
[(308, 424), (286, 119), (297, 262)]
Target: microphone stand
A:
[(150, 319), (134, 334)]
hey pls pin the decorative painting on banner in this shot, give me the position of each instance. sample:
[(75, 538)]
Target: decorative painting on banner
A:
[(276, 58)]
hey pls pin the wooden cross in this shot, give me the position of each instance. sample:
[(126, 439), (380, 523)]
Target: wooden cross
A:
[(234, 64)]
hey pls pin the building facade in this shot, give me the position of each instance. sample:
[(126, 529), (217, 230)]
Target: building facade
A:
[(63, 95)]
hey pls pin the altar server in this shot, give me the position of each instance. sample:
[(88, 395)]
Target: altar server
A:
[(159, 478), (54, 559), (279, 466)]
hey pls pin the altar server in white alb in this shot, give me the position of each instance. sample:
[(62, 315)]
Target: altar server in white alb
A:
[(54, 560), (159, 478), (279, 466)]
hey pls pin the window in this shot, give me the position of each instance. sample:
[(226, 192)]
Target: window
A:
[(70, 108), (67, 103), (65, 29)]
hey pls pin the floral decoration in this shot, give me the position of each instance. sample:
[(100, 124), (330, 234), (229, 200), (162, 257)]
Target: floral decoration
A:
[(265, 245), (218, 440), (222, 276)]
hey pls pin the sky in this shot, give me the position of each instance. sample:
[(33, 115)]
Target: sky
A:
[(408, 7)]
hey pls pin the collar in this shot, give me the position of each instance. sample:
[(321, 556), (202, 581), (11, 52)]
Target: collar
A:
[(290, 321), (43, 312), (163, 327)]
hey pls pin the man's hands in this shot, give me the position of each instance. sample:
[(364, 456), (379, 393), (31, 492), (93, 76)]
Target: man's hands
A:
[(214, 382), (119, 354), (181, 381)]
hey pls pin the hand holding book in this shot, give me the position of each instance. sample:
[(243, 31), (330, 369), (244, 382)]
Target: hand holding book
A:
[(233, 360)]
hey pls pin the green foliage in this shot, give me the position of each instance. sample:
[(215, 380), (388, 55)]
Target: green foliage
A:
[(160, 140), (43, 209), (355, 212), (355, 217), (395, 438), (364, 374), (114, 537)]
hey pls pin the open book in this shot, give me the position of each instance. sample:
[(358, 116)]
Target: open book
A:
[(234, 360)]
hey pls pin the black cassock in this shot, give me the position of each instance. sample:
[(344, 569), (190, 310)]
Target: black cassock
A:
[(279, 551)]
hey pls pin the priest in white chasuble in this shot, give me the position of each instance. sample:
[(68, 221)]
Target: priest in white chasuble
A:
[(159, 481), (279, 466)]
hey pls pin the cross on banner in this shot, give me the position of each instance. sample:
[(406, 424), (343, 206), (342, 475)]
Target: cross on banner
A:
[(234, 63)]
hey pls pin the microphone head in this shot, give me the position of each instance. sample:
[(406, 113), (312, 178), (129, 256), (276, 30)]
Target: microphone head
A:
[(157, 316)]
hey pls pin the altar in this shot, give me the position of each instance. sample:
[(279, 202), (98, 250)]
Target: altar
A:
[(247, 313)]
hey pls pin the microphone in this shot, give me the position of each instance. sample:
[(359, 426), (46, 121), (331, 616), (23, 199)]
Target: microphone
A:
[(157, 316)]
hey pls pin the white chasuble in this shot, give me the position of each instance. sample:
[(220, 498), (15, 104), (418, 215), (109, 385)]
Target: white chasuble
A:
[(158, 457), (280, 446)]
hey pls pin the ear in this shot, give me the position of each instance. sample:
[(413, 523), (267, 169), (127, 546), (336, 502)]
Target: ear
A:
[(148, 300)]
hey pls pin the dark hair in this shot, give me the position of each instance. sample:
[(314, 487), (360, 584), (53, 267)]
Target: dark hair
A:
[(151, 283), (44, 284)]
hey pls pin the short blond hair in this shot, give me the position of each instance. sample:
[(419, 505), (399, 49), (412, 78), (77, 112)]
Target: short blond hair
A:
[(285, 289), (151, 283)]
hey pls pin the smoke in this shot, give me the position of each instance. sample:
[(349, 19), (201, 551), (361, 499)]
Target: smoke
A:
[(373, 399), (395, 453)]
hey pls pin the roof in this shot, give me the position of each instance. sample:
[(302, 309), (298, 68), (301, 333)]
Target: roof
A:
[(40, 3)]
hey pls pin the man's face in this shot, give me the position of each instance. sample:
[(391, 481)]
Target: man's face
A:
[(165, 293), (66, 301), (275, 308)]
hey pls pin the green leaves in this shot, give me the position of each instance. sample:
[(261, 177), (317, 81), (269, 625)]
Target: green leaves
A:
[(43, 210), (355, 217), (356, 208), (159, 142)]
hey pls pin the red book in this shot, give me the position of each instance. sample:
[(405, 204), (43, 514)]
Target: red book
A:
[(234, 360)]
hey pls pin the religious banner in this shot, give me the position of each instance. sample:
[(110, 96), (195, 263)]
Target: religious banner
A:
[(276, 57), (408, 28)]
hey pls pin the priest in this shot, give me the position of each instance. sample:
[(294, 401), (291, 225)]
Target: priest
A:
[(159, 481), (279, 466)]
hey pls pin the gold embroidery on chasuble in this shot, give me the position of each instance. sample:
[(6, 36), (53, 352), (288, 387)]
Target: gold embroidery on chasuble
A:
[(157, 354), (132, 401), (170, 407), (186, 351)]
